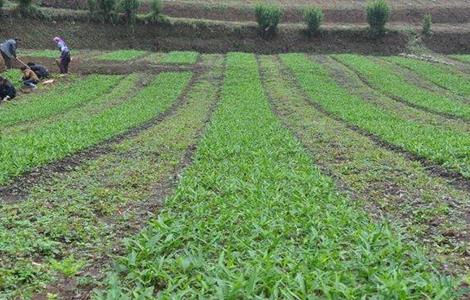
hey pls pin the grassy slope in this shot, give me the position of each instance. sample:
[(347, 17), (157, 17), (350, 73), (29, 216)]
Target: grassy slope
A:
[(252, 217), (71, 222), (444, 147), (384, 79)]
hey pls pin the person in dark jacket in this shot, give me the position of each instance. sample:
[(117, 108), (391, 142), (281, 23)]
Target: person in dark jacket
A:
[(41, 71), (65, 57), (7, 90), (8, 51)]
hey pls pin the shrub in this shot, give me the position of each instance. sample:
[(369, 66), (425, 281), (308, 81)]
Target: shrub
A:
[(313, 17), (129, 7), (1, 4), (155, 14), (92, 6), (106, 8), (268, 18), (427, 22), (24, 5), (378, 14)]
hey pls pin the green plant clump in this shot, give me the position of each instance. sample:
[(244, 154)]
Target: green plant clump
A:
[(427, 22), (155, 14), (313, 17), (378, 14), (129, 7), (268, 18)]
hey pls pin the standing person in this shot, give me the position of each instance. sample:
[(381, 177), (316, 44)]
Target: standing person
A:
[(8, 51), (30, 79), (7, 90), (65, 59)]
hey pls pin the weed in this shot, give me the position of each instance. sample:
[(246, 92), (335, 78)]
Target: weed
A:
[(69, 266)]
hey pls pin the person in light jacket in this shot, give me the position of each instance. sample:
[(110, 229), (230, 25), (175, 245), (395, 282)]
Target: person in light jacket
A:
[(65, 58)]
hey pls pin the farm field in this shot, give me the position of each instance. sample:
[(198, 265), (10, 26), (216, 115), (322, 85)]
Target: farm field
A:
[(213, 176)]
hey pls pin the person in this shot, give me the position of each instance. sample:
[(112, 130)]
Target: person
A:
[(7, 90), (41, 71), (8, 51), (65, 58), (30, 79)]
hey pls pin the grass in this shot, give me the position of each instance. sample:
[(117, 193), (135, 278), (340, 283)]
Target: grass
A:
[(40, 53), (383, 78), (122, 55), (444, 76), (252, 218), (70, 223), (380, 177), (14, 76), (24, 151), (57, 100), (444, 147), (180, 57)]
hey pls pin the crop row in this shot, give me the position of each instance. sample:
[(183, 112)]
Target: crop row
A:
[(58, 99), (174, 57), (444, 76), (69, 222), (442, 146), (378, 176), (252, 217), (383, 78), (24, 151)]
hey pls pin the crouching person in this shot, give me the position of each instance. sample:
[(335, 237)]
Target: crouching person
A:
[(30, 79), (41, 71), (7, 90)]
